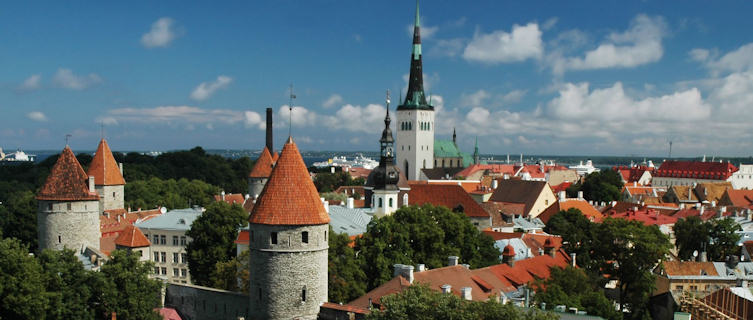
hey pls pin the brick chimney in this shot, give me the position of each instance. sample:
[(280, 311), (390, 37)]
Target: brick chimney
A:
[(91, 184), (465, 293), (452, 261)]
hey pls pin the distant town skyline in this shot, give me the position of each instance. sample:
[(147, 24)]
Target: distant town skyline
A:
[(595, 78)]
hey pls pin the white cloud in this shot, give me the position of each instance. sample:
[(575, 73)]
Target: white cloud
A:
[(474, 99), (31, 83), (483, 98), (513, 96), (332, 101), (640, 44), (161, 34), (520, 44), (65, 78), (447, 47), (549, 23), (738, 60), (182, 115), (206, 89), (700, 55), (37, 116)]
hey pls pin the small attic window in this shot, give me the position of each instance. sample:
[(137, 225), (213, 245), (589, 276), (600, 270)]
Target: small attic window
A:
[(181, 221), (703, 272)]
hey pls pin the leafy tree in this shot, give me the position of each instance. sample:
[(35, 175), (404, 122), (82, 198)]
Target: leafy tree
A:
[(424, 234), (18, 216), (327, 182), (168, 193), (691, 234), (627, 251), (232, 275), (577, 235), (68, 287), (127, 288), (213, 234), (725, 238), (420, 302), (599, 186), (573, 288), (21, 282), (347, 281)]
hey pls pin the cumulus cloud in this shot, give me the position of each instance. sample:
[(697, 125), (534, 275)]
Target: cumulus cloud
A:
[(33, 82), (206, 89), (332, 101), (187, 115), (161, 34), (485, 98), (741, 59), (447, 47), (65, 78), (474, 99), (640, 44), (37, 116), (521, 43), (426, 31)]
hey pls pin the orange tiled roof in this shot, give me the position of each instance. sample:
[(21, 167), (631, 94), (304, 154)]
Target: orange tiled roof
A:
[(243, 237), (289, 197), (263, 166), (451, 196), (231, 198), (740, 198), (67, 181), (587, 209), (132, 237), (104, 168), (689, 268)]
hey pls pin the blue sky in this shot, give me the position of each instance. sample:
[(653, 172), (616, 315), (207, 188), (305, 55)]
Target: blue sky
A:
[(577, 77)]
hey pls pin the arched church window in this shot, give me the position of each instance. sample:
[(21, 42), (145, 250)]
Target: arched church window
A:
[(380, 202), (405, 199), (391, 205)]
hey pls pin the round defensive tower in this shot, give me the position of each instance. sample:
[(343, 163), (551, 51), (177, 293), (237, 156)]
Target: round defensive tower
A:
[(68, 211), (288, 239)]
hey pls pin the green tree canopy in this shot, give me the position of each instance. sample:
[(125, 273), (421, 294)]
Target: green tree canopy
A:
[(68, 286), (21, 282), (126, 287), (718, 237), (577, 235), (18, 214), (328, 182), (424, 234), (347, 281), (723, 233), (628, 251), (599, 186), (691, 234), (147, 194), (213, 234), (419, 302), (233, 274), (573, 288)]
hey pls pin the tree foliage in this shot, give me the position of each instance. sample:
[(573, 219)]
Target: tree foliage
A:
[(18, 213), (577, 234), (718, 237), (170, 193), (347, 281), (69, 292), (126, 287), (21, 282), (424, 234), (328, 182), (599, 186), (573, 288), (233, 275), (420, 302), (213, 234)]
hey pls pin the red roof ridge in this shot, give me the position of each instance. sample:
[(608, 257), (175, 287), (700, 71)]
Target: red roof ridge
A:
[(132, 237), (104, 168), (263, 166), (289, 197), (67, 181)]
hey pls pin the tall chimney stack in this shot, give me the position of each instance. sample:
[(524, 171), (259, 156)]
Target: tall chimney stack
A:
[(270, 144)]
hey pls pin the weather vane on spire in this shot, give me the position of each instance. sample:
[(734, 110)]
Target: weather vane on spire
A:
[(68, 135), (290, 114), (388, 100)]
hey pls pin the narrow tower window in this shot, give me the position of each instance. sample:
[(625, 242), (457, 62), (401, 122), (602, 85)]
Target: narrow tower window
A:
[(390, 202), (380, 202), (60, 240), (69, 205), (303, 294), (273, 237), (305, 237)]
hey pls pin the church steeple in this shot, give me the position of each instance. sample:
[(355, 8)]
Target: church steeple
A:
[(386, 142), (415, 98), (475, 153)]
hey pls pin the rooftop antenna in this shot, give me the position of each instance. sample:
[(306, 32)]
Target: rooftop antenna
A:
[(68, 135), (102, 130), (290, 115), (670, 149)]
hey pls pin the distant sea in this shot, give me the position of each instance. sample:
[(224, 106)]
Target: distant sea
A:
[(309, 157)]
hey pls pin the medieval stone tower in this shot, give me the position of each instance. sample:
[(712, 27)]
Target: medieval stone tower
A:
[(260, 173), (415, 118), (68, 212), (288, 243), (108, 178)]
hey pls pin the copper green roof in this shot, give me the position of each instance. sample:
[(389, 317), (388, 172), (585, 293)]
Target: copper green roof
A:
[(415, 98)]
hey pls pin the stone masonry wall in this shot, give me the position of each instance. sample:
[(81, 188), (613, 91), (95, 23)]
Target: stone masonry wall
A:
[(59, 227), (110, 197), (279, 273), (255, 186), (196, 302)]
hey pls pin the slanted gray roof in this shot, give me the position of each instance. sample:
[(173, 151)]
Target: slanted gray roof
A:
[(178, 219), (350, 221)]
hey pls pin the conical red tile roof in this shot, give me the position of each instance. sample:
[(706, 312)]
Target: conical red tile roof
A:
[(263, 166), (104, 168), (67, 181), (132, 237), (289, 197)]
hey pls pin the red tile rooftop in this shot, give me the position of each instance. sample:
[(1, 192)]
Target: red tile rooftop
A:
[(104, 168), (67, 181)]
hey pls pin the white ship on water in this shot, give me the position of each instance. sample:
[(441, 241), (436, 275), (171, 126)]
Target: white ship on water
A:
[(359, 162), (16, 157), (585, 169)]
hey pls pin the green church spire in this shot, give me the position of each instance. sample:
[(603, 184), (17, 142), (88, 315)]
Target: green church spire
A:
[(415, 98)]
